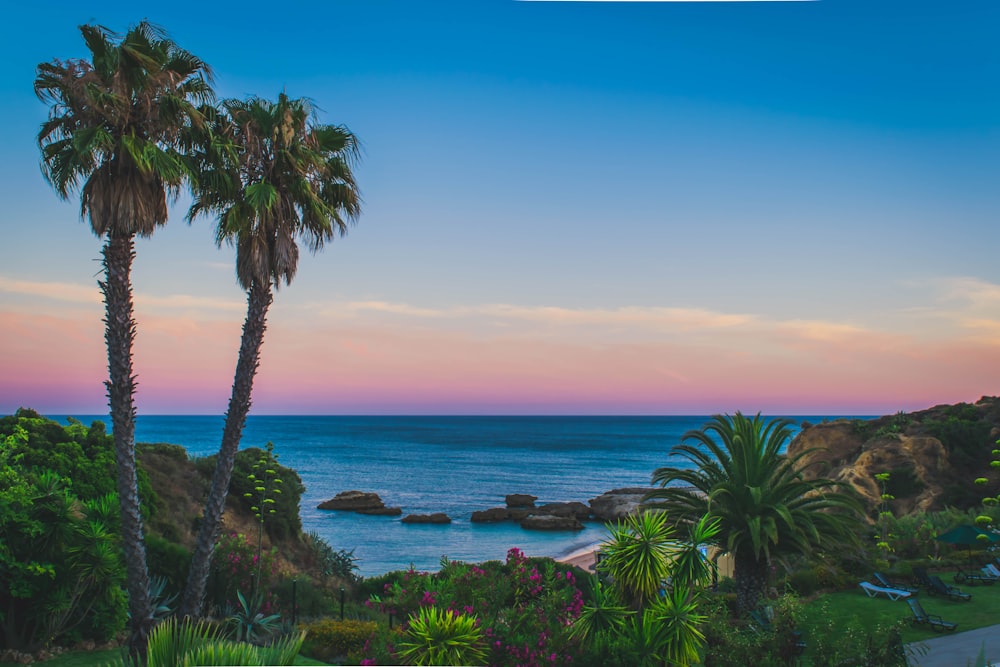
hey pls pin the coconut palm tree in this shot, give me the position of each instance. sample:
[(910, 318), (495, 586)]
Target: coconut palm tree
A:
[(115, 125), (765, 506), (272, 176)]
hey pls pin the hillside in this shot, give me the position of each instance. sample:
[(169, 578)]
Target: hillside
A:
[(181, 486), (932, 455)]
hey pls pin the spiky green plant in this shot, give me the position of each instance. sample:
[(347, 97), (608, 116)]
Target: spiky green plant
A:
[(181, 643), (637, 556), (605, 614), (443, 637)]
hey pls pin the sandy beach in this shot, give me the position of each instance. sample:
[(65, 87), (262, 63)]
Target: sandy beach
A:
[(585, 558)]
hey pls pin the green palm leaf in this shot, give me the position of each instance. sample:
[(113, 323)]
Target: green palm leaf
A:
[(763, 504)]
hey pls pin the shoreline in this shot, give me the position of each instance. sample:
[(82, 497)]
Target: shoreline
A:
[(584, 558)]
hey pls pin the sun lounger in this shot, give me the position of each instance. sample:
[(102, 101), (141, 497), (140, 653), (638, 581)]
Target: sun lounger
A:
[(921, 617), (871, 590), (992, 570), (938, 587), (973, 578), (886, 582)]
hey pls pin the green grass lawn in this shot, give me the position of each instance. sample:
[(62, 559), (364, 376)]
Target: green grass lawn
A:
[(845, 606)]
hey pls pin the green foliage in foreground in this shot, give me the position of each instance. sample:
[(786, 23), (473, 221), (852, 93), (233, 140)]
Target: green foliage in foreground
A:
[(443, 637), (60, 561), (91, 658), (181, 644)]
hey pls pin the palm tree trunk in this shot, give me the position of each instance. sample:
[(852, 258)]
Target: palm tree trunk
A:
[(751, 580), (258, 301), (119, 333)]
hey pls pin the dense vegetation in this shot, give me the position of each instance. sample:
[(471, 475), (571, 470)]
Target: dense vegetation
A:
[(60, 563), (62, 575)]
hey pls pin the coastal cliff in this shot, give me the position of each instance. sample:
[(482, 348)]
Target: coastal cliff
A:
[(932, 456)]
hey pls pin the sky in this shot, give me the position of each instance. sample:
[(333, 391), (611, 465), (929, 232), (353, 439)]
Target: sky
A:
[(569, 208)]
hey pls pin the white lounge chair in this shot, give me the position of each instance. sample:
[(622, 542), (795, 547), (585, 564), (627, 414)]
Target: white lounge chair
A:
[(991, 570), (871, 590)]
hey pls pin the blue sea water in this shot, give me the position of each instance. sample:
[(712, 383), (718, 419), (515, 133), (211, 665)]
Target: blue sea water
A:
[(454, 465)]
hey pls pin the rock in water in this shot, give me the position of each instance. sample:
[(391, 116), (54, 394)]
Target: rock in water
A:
[(573, 509), (437, 517), (361, 502), (550, 522), (520, 500), (617, 504), (491, 515)]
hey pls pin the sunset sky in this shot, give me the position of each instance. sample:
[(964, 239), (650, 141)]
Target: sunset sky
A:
[(569, 208)]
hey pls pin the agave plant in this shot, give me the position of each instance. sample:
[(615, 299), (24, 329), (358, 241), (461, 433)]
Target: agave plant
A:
[(437, 637), (249, 623), (163, 604)]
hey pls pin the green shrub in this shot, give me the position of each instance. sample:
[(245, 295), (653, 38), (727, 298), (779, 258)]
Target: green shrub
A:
[(330, 641), (60, 564), (168, 560), (329, 562)]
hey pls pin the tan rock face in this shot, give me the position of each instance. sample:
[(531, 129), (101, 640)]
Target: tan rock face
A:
[(919, 462)]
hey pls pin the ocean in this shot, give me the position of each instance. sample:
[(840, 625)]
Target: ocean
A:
[(455, 465)]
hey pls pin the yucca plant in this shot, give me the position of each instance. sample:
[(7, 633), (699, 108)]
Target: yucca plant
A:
[(604, 615), (638, 554), (678, 625), (443, 637)]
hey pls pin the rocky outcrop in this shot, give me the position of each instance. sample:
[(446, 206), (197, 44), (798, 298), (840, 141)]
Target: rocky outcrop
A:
[(492, 515), (520, 500), (617, 504), (437, 517), (931, 455), (382, 511), (576, 510), (360, 502), (551, 522), (521, 509)]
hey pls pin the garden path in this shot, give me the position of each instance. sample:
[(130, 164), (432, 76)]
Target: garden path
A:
[(960, 648)]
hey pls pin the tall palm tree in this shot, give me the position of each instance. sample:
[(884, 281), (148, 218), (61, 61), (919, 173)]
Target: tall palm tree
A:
[(271, 175), (115, 125), (765, 506)]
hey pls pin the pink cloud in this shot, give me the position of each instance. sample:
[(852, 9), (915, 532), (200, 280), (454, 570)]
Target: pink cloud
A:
[(426, 362)]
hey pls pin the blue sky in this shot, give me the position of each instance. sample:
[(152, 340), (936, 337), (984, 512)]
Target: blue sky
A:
[(569, 207)]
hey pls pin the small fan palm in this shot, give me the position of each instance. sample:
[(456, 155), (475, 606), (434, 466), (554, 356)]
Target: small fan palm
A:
[(765, 507)]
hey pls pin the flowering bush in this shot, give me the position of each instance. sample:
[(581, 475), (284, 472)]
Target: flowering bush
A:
[(524, 607), (234, 568)]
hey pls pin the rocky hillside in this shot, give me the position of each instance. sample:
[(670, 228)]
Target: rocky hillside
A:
[(932, 455)]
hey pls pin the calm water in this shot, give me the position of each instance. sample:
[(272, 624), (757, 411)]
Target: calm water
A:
[(454, 465)]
